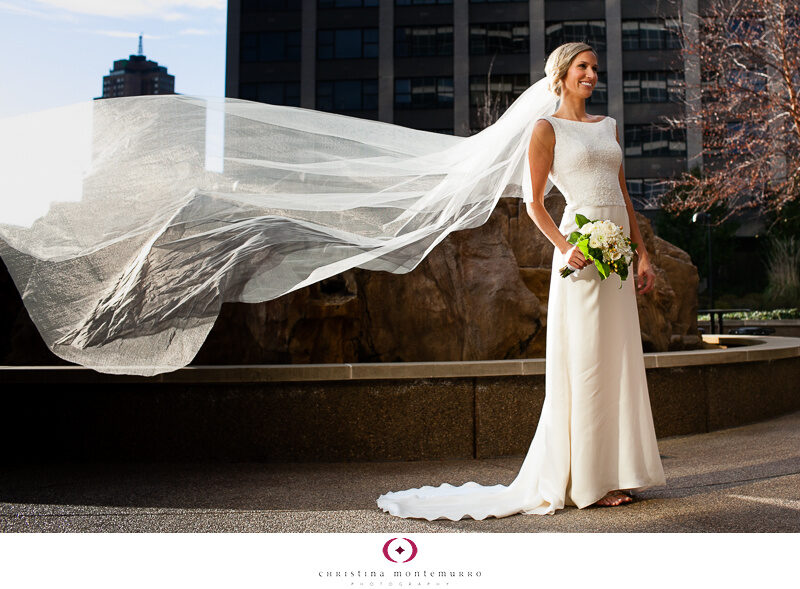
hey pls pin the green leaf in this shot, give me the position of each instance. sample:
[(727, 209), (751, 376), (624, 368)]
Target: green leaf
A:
[(595, 252), (603, 268), (581, 220), (574, 237)]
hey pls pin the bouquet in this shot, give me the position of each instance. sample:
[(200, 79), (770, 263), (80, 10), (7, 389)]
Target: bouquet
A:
[(603, 243)]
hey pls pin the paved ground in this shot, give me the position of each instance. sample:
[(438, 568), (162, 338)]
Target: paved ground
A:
[(744, 479)]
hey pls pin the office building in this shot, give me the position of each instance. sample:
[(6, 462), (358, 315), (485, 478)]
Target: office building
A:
[(424, 64), (137, 76)]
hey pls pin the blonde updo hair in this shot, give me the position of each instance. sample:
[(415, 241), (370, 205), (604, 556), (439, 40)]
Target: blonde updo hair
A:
[(559, 61)]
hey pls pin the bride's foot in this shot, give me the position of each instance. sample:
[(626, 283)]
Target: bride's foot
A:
[(613, 498)]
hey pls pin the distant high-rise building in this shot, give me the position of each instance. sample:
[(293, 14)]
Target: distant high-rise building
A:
[(137, 76)]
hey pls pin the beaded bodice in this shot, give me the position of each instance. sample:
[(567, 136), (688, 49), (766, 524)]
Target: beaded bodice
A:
[(586, 162)]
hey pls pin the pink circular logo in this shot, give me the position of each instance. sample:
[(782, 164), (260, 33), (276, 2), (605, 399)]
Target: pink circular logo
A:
[(399, 549)]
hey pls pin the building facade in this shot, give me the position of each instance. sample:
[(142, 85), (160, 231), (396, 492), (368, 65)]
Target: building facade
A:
[(137, 76), (426, 64)]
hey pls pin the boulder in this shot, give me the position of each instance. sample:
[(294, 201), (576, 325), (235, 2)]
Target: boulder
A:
[(481, 294)]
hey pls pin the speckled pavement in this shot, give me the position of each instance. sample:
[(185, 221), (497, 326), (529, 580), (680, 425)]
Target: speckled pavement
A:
[(744, 479)]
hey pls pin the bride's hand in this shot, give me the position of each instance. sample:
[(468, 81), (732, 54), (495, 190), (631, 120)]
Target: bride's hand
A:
[(646, 277), (577, 259)]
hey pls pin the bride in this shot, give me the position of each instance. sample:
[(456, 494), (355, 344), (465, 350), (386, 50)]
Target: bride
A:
[(595, 443), (157, 209)]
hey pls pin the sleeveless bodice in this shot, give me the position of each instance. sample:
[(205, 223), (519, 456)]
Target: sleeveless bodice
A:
[(586, 162)]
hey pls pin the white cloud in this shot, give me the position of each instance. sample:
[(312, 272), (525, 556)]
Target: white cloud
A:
[(198, 32), (173, 16), (163, 9), (10, 8), (123, 34)]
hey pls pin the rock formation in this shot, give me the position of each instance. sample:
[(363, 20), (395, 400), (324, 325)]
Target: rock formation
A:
[(481, 294)]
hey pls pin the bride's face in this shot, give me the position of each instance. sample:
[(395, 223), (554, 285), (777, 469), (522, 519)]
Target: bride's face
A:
[(581, 76)]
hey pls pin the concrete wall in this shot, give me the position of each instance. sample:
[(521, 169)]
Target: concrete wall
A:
[(409, 411)]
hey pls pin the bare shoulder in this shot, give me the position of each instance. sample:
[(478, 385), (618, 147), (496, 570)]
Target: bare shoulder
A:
[(543, 133)]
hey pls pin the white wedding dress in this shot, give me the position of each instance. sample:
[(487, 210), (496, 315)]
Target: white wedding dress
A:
[(595, 433)]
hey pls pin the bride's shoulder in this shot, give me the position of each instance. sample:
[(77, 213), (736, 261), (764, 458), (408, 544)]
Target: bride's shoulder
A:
[(543, 138), (544, 130)]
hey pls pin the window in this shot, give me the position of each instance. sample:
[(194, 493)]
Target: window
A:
[(347, 43), (592, 32), (600, 92), (420, 2), (423, 41), (742, 28), (285, 93), (492, 38), (270, 46), (345, 95), (345, 3), (647, 141), (646, 193), (745, 137), (506, 87), (651, 33), (754, 80), (655, 86), (267, 5), (423, 92)]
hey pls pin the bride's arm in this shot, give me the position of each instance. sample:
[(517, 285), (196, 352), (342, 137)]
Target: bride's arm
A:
[(644, 269), (540, 159)]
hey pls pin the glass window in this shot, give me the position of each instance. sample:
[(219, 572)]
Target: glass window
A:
[(600, 92), (420, 2), (267, 5), (370, 43), (347, 95), (506, 87), (249, 48), (651, 33), (501, 38), (631, 90), (270, 46), (423, 41), (285, 93), (347, 43), (647, 141), (646, 193), (424, 92), (653, 86), (345, 3), (592, 32)]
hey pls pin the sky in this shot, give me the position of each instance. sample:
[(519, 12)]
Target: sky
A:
[(56, 52)]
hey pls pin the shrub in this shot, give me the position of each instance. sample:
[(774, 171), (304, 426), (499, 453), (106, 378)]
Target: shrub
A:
[(783, 272)]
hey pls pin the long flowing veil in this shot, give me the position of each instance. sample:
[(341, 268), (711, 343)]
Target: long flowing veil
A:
[(126, 223)]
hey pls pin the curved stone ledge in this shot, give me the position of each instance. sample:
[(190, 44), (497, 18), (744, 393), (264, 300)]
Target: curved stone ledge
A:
[(363, 412), (742, 348)]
